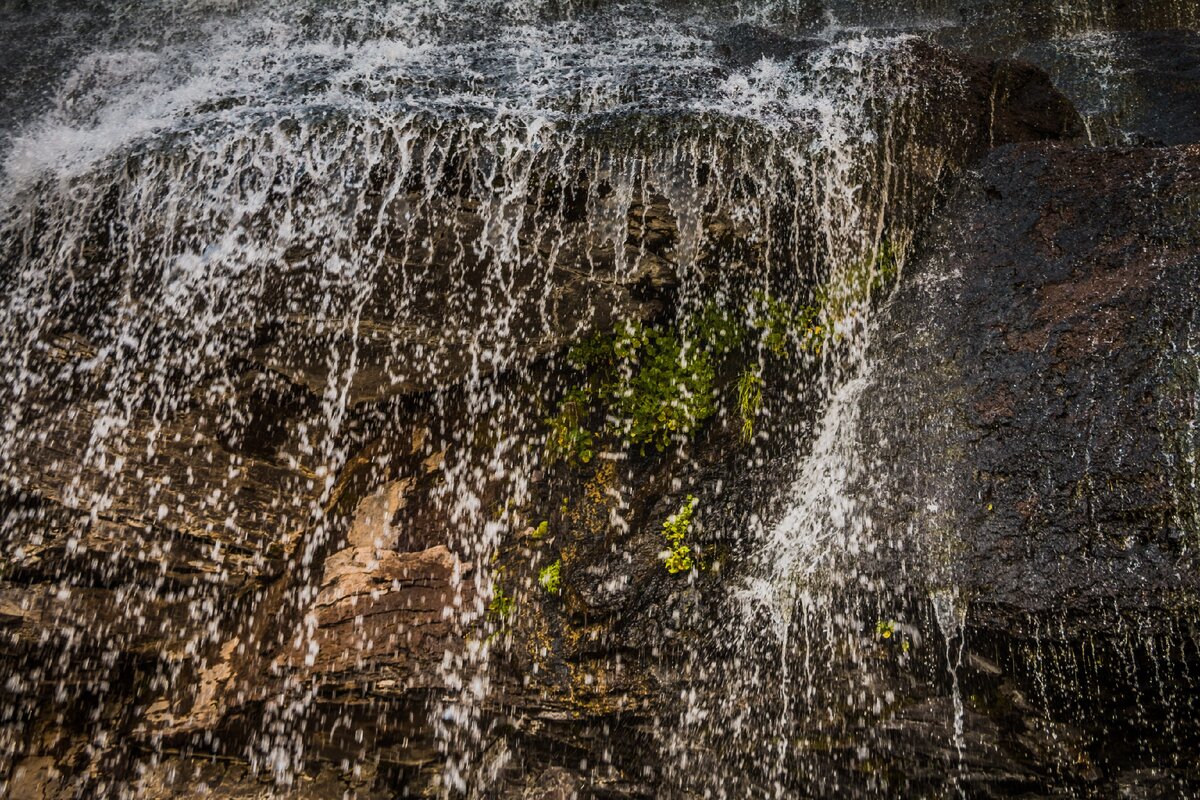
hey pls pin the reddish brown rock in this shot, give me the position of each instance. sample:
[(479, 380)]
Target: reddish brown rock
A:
[(383, 615)]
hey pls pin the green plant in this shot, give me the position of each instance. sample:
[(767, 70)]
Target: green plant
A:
[(784, 327), (715, 329), (654, 383), (808, 327), (884, 629), (749, 399), (541, 530), (568, 439), (860, 281), (675, 529), (670, 392), (550, 577), (501, 606)]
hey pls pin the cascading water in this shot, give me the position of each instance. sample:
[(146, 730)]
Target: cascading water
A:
[(360, 356)]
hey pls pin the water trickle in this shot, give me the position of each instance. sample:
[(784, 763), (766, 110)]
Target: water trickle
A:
[(951, 617)]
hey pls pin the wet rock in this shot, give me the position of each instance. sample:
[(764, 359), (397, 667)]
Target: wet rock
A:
[(1138, 88), (585, 681), (1055, 308), (447, 272), (1030, 443), (373, 526), (745, 45), (571, 279), (989, 24), (381, 615), (553, 784)]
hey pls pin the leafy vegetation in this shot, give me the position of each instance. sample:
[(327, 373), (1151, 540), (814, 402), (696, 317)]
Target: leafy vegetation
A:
[(665, 387), (716, 329), (501, 606), (749, 399), (860, 282), (786, 329), (568, 439), (550, 577), (655, 384), (809, 327), (675, 529)]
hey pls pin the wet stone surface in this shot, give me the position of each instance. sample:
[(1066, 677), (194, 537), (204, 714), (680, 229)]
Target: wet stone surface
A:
[(279, 514)]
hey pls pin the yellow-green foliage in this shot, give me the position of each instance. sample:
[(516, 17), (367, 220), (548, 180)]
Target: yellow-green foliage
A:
[(675, 529), (550, 577), (749, 399), (808, 328), (784, 327), (541, 530), (859, 282), (568, 439), (716, 329), (656, 383), (884, 629), (502, 606), (665, 388)]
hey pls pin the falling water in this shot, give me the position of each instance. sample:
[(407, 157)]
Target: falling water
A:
[(271, 269)]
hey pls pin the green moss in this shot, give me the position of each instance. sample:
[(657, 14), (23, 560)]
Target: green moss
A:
[(568, 440), (541, 530), (787, 329), (716, 329), (856, 285), (655, 384), (675, 529), (550, 577), (885, 629)]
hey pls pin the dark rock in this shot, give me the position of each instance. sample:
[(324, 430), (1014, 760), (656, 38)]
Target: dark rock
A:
[(744, 45), (1030, 440), (1133, 88), (1056, 310)]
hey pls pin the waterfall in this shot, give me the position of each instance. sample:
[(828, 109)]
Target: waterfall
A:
[(297, 297)]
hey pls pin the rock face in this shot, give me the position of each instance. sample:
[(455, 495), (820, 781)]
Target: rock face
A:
[(1155, 100), (273, 627), (1035, 401), (444, 269), (1057, 307)]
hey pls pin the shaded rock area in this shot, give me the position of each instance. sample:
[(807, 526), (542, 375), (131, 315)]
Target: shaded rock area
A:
[(1133, 88), (1041, 354), (1057, 307), (1040, 351)]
